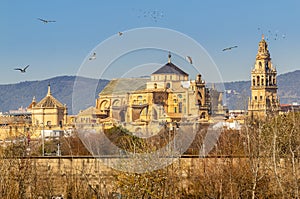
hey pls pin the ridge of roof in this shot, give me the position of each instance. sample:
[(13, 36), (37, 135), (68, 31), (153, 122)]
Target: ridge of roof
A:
[(49, 102), (170, 68)]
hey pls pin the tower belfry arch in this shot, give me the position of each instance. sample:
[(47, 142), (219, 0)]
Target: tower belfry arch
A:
[(263, 101)]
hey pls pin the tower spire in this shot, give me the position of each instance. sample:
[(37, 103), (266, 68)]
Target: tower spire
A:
[(263, 52), (49, 90), (263, 101), (169, 57)]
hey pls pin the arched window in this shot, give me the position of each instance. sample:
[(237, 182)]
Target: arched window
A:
[(262, 82), (257, 80), (116, 102), (259, 64), (253, 82), (199, 102), (104, 105), (168, 85), (155, 85), (202, 115)]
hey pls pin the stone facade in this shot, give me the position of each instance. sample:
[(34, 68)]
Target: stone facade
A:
[(49, 112), (264, 101), (167, 96)]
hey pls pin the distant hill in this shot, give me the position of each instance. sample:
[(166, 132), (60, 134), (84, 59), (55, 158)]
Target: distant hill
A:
[(13, 96), (237, 93)]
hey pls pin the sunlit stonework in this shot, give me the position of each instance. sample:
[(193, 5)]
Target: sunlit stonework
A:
[(167, 96), (264, 101)]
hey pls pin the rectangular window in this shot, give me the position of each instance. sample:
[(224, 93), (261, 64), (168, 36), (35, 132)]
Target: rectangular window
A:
[(180, 107)]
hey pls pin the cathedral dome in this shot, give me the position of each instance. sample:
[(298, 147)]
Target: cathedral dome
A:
[(170, 68)]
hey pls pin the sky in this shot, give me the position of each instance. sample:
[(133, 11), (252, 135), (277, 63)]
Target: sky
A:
[(63, 47)]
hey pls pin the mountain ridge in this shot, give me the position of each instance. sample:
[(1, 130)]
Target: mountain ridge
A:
[(14, 96)]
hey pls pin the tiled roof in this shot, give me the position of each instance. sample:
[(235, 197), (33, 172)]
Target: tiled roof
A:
[(124, 85), (49, 102), (170, 68)]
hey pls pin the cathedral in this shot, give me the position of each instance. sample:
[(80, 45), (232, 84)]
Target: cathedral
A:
[(49, 112), (264, 101), (167, 96)]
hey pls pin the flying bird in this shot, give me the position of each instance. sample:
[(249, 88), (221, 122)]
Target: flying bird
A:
[(189, 59), (120, 33), (23, 70), (230, 48), (45, 21), (93, 56), (272, 35)]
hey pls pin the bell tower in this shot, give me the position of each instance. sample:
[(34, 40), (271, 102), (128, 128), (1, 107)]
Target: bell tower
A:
[(263, 101)]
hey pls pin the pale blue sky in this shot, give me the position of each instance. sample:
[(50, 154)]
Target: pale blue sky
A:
[(60, 48)]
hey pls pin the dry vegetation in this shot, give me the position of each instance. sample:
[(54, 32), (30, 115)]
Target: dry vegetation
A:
[(260, 161)]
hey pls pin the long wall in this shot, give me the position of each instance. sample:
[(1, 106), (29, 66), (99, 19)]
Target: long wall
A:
[(56, 176)]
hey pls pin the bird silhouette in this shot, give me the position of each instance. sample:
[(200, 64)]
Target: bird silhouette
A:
[(272, 35), (93, 56), (230, 48), (45, 21), (22, 70), (189, 59), (120, 33)]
